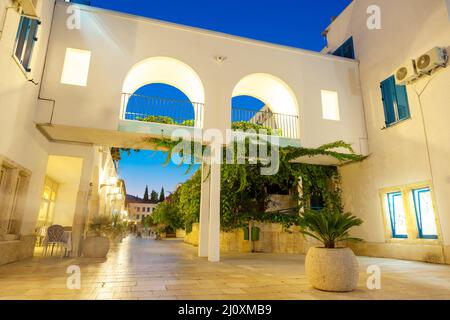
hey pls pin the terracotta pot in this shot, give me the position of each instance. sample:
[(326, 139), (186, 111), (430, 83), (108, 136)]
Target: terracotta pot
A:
[(95, 247), (333, 270)]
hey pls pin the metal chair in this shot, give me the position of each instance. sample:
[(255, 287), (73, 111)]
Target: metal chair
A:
[(55, 236)]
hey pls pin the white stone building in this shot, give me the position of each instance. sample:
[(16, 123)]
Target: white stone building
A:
[(139, 209), (408, 145)]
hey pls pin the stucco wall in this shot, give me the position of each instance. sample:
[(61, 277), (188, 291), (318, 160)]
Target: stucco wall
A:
[(118, 41), (409, 28), (20, 141)]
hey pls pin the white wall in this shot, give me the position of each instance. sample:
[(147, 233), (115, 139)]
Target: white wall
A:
[(398, 154), (20, 141), (119, 41)]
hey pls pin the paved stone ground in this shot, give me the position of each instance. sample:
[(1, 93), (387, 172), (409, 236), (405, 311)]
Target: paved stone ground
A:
[(169, 269)]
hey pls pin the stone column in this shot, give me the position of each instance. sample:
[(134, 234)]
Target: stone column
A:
[(204, 212), (214, 206)]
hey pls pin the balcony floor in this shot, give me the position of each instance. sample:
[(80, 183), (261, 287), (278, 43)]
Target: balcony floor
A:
[(169, 269)]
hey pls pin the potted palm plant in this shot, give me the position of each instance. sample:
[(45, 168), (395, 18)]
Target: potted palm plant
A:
[(96, 244), (331, 267)]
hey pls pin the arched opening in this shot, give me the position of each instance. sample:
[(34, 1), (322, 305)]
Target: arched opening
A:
[(265, 101), (163, 90)]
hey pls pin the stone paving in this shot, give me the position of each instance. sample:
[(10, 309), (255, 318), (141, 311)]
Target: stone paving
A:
[(169, 269)]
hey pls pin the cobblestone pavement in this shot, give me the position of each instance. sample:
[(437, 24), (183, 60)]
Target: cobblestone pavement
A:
[(169, 269)]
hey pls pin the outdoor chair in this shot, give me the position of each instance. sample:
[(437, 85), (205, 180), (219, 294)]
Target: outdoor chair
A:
[(55, 236)]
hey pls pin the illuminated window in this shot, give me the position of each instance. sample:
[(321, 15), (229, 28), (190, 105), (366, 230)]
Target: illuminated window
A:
[(330, 105), (76, 67), (397, 215), (426, 219), (48, 200)]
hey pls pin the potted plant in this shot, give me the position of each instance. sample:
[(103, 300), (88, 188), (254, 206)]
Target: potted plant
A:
[(118, 229), (96, 245), (331, 267)]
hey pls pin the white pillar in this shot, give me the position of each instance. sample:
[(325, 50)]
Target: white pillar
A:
[(214, 208), (204, 212)]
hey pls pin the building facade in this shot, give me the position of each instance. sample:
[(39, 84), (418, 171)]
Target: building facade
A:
[(139, 209), (42, 181), (401, 190)]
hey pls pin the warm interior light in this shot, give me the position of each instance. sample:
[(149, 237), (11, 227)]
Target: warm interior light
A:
[(330, 105), (76, 67)]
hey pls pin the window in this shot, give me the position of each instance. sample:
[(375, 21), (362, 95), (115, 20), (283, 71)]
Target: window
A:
[(410, 212), (25, 41), (85, 2), (395, 102), (397, 215), (347, 50), (148, 209), (425, 216), (316, 201), (76, 67), (138, 209), (138, 216), (48, 200), (330, 105)]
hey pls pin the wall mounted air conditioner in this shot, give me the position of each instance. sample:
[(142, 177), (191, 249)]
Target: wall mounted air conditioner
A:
[(28, 7), (406, 73), (435, 58)]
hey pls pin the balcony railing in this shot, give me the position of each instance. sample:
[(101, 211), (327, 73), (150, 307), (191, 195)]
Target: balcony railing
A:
[(162, 110), (284, 125), (187, 113)]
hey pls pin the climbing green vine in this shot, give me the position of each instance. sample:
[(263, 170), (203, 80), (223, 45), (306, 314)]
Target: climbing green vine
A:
[(245, 193)]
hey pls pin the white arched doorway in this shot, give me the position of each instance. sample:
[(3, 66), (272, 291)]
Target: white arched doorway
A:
[(169, 71), (280, 110)]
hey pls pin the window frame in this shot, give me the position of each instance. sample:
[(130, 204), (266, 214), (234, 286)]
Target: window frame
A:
[(394, 97), (389, 196), (26, 40), (418, 211), (411, 222)]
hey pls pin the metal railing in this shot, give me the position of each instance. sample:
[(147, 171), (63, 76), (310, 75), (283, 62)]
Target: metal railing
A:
[(284, 125), (161, 110), (187, 113)]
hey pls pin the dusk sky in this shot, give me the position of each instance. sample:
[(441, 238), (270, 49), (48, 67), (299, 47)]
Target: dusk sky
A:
[(296, 23)]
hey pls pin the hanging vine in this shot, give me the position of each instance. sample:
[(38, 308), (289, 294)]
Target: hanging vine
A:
[(245, 193)]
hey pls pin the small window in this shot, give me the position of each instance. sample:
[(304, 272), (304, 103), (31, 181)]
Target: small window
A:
[(138, 209), (425, 216), (316, 201), (330, 105), (76, 67), (137, 216), (395, 102), (397, 215), (347, 50), (25, 41)]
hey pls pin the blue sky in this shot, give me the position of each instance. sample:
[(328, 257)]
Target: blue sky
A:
[(296, 23)]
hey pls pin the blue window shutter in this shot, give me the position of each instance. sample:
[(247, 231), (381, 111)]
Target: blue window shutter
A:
[(347, 50), (389, 100), (402, 102)]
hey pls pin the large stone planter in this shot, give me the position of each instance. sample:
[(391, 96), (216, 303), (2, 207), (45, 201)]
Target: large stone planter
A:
[(333, 270), (95, 247)]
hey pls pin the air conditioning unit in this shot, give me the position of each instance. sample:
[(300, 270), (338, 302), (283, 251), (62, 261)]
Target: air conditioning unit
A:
[(28, 7), (406, 73), (435, 58)]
